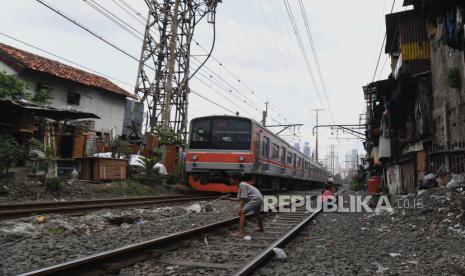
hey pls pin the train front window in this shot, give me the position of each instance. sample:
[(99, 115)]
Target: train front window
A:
[(221, 133)]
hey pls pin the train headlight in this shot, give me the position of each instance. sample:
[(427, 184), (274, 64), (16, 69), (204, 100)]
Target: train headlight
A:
[(242, 159), (194, 157)]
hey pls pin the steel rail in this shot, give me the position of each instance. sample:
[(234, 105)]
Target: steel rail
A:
[(103, 263), (268, 252), (21, 210), (112, 261)]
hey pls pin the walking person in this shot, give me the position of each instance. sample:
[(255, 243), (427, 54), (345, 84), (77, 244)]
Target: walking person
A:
[(250, 202)]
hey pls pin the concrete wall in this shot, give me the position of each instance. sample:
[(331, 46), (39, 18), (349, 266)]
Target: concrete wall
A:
[(107, 105), (7, 69), (442, 59)]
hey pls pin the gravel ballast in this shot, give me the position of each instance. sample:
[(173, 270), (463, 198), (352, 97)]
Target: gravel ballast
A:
[(28, 244), (428, 240)]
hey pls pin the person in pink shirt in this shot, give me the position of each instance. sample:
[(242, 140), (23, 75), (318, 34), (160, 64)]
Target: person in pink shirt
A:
[(327, 195)]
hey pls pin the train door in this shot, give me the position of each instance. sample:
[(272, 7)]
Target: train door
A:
[(283, 160), (257, 149)]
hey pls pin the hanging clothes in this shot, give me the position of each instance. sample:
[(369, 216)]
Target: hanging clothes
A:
[(460, 28), (384, 140), (453, 28)]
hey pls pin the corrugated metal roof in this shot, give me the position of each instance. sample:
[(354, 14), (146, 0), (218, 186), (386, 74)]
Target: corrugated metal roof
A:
[(407, 29), (409, 2), (46, 111)]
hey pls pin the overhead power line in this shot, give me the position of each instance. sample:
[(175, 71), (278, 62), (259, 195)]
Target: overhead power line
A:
[(65, 59), (129, 9), (108, 14), (382, 47), (212, 102), (91, 32), (315, 56), (115, 19), (302, 49), (99, 73)]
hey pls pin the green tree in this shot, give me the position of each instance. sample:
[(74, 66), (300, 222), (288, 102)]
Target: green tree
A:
[(12, 87)]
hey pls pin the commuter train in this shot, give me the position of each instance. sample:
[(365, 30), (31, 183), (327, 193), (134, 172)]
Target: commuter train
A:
[(220, 145)]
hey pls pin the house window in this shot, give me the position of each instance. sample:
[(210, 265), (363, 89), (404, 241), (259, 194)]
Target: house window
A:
[(42, 86), (74, 98)]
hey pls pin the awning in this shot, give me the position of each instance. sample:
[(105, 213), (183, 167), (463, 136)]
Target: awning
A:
[(46, 111)]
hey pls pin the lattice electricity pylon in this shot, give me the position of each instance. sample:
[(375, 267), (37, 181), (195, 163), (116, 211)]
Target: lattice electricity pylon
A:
[(163, 74)]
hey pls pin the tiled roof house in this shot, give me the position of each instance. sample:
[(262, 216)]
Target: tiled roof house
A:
[(69, 86)]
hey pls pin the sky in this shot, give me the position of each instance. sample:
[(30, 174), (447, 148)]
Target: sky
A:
[(255, 43)]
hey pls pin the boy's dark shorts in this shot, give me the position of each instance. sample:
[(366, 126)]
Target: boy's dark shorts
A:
[(253, 207)]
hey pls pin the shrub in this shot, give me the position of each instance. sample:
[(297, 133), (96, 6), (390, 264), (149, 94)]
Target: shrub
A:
[(55, 184), (356, 186), (148, 163), (10, 153), (454, 80), (120, 148), (42, 96), (167, 136)]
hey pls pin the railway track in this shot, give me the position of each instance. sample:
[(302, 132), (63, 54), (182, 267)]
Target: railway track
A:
[(207, 249), (26, 209)]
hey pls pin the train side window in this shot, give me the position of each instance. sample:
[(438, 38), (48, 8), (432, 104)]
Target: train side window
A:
[(266, 147), (283, 154), (289, 158), (275, 152), (294, 160)]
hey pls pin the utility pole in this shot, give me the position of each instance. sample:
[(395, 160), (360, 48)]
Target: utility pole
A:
[(166, 49), (265, 114), (332, 156), (317, 111), (166, 112)]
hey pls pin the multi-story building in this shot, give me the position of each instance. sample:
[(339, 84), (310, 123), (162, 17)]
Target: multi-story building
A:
[(415, 116), (307, 150)]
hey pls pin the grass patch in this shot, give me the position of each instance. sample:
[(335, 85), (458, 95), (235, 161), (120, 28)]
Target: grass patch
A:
[(55, 230)]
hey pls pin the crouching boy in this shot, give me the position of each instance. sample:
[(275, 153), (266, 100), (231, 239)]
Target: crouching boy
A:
[(251, 202)]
